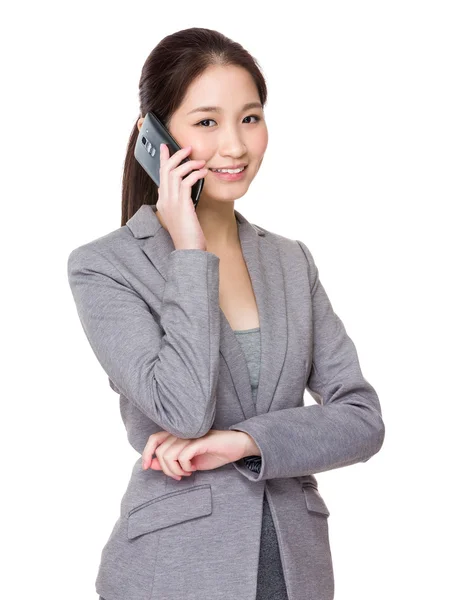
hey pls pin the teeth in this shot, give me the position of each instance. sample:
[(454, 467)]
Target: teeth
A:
[(228, 170)]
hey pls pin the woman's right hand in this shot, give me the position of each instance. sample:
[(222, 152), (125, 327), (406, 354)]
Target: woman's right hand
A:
[(174, 198)]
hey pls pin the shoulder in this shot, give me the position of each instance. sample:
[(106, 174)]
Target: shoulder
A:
[(115, 248), (109, 242), (290, 248)]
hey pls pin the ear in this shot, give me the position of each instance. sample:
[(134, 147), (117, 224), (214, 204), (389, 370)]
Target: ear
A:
[(139, 123)]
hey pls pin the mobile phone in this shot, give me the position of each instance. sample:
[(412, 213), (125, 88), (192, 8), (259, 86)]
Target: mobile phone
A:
[(147, 151)]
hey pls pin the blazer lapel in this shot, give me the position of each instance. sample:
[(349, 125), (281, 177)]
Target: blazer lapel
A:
[(264, 267)]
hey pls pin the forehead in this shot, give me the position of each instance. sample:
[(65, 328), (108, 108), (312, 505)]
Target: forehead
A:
[(223, 86)]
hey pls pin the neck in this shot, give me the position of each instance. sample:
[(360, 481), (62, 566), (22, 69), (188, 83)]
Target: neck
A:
[(218, 223)]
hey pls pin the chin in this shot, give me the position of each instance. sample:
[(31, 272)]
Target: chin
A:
[(213, 197), (226, 192)]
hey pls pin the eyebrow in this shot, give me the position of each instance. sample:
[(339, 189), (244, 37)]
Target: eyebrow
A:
[(247, 106)]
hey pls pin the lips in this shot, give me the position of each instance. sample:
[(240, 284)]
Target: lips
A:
[(243, 167), (229, 177)]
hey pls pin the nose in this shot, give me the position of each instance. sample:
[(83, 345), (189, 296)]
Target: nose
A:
[(232, 144)]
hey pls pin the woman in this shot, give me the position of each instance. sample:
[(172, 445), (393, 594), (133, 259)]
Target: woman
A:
[(210, 329)]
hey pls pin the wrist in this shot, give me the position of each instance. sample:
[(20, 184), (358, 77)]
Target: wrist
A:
[(251, 448)]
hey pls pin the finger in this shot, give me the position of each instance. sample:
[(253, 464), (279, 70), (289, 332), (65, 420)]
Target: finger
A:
[(180, 470), (154, 440), (175, 181), (164, 152), (193, 177), (155, 464), (148, 451), (187, 167), (164, 155), (169, 456), (186, 170), (173, 161), (189, 181), (164, 461), (190, 452), (185, 459), (183, 452), (172, 457)]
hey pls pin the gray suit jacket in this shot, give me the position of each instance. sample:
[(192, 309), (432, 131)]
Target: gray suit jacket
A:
[(152, 317)]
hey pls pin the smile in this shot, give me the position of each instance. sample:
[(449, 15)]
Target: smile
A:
[(228, 170), (229, 174)]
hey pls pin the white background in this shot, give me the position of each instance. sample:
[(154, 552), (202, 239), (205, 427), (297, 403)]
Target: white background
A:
[(360, 167)]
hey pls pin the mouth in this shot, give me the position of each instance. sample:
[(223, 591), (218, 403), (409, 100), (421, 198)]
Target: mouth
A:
[(229, 174), (231, 169)]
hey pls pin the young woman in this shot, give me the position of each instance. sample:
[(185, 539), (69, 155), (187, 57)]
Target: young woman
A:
[(210, 329)]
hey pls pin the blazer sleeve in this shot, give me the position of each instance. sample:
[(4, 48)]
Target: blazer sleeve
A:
[(170, 377), (345, 425)]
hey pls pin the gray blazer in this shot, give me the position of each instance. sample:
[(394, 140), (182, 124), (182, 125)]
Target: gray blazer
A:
[(152, 317)]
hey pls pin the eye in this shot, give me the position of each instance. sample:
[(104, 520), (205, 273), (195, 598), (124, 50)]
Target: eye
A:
[(257, 117), (203, 121)]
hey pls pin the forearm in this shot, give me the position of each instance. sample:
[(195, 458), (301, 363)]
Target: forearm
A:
[(307, 440), (251, 448)]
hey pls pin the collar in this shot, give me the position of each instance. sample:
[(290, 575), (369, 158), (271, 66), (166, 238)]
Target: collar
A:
[(144, 223)]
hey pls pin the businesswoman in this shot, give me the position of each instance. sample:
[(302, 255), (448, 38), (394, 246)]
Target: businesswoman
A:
[(210, 329)]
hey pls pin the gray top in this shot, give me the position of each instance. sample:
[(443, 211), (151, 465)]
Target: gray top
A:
[(250, 341), (270, 580)]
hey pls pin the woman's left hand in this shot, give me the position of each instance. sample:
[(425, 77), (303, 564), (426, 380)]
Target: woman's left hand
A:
[(177, 457)]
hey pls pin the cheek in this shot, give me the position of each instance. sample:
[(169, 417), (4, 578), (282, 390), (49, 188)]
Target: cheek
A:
[(202, 147), (259, 144), (258, 149)]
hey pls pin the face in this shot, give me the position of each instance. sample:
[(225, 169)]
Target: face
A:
[(230, 135)]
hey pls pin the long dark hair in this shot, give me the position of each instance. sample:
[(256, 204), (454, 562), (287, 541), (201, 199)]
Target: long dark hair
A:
[(166, 75)]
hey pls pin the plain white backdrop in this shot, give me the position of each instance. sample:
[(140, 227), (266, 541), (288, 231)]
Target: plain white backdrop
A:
[(359, 166)]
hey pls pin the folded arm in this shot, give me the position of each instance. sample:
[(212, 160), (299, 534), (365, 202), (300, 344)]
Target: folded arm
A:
[(343, 428), (170, 377)]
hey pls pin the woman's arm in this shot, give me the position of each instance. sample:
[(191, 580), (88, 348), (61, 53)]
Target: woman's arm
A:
[(172, 378), (343, 428)]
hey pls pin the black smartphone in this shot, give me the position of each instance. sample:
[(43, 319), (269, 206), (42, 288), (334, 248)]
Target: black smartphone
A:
[(147, 151)]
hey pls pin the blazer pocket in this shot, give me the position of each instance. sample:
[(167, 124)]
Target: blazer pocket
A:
[(314, 501), (170, 509)]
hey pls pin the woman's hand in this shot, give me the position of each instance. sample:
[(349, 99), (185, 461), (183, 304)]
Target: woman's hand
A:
[(175, 203), (177, 457)]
